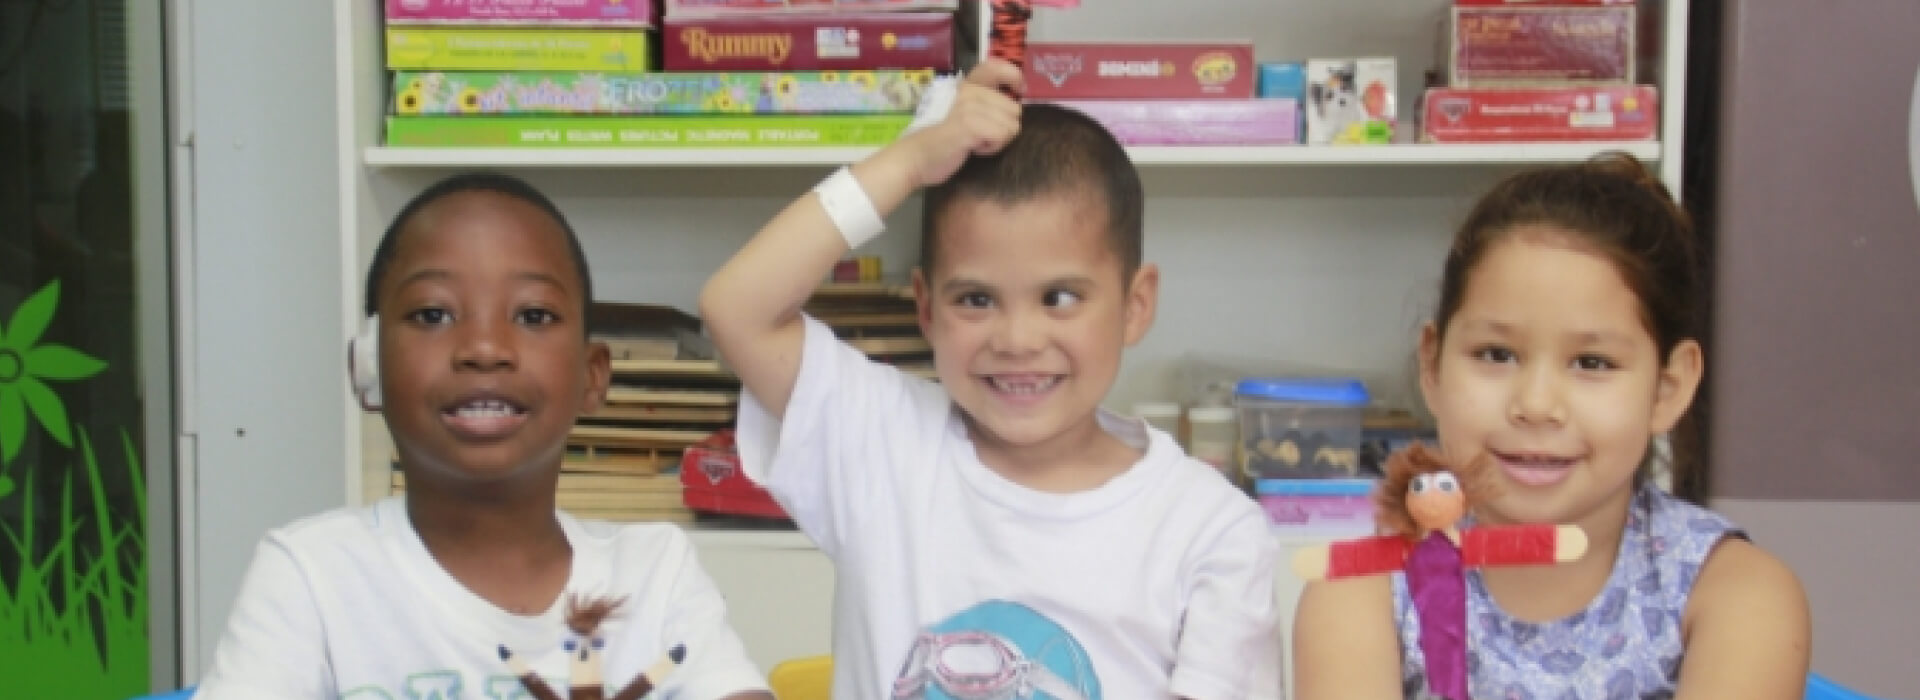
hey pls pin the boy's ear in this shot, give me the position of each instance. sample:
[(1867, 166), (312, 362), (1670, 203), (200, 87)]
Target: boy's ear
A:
[(1429, 360), (922, 305), (599, 377), (1679, 380), (1143, 301)]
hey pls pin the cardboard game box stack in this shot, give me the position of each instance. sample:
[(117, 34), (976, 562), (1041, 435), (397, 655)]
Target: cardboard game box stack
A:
[(1163, 93), (1542, 71), (718, 73)]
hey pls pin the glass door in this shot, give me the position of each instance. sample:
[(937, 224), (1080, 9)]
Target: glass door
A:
[(85, 368)]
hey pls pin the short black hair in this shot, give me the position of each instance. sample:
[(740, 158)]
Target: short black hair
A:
[(474, 181), (1059, 151)]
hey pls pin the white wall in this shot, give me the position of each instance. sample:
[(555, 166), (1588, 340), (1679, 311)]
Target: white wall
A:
[(260, 293)]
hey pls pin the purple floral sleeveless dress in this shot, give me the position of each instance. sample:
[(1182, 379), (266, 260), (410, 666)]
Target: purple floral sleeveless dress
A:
[(1625, 645)]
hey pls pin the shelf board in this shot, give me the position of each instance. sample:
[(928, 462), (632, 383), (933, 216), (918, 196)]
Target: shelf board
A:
[(1396, 154)]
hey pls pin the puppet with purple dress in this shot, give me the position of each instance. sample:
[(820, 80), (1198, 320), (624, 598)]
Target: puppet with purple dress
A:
[(1420, 504)]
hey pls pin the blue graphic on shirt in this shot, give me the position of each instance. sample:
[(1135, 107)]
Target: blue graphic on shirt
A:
[(997, 650)]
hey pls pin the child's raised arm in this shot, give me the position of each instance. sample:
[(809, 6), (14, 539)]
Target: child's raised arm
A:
[(752, 304)]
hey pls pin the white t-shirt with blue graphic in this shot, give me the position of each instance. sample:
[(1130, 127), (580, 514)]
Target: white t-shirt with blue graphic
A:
[(350, 605), (954, 582)]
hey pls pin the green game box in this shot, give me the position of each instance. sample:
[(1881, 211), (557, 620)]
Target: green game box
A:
[(554, 92), (493, 48), (660, 131)]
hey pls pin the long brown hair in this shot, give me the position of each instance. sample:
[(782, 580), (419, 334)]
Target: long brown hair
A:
[(1390, 499), (1612, 206)]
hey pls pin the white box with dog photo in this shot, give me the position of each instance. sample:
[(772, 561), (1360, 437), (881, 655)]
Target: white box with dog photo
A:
[(1351, 101)]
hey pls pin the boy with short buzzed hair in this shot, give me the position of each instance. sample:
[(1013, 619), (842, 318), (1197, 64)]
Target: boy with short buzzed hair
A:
[(996, 534)]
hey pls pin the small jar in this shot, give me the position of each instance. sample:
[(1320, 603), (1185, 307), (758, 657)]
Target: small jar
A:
[(1215, 432), (1161, 415)]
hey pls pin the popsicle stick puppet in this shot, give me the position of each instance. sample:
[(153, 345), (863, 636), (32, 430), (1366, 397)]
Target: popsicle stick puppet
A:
[(1419, 506), (584, 651)]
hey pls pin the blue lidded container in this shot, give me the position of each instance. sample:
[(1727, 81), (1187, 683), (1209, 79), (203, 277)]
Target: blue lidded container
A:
[(1300, 427)]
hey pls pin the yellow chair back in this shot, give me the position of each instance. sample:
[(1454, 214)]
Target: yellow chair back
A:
[(809, 678)]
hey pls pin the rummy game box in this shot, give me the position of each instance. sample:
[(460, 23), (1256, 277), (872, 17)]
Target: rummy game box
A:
[(669, 131), (515, 92), (720, 8), (499, 48), (627, 13), (1552, 43), (1133, 70), (1151, 122), (860, 41), (1586, 113)]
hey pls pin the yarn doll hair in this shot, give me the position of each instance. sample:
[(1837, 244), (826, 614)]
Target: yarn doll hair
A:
[(1390, 499), (584, 615)]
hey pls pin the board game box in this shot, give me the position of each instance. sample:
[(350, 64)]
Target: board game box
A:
[(863, 41), (514, 92), (626, 13), (1492, 43), (1133, 70), (673, 131), (501, 48), (1249, 122), (719, 8), (1588, 113)]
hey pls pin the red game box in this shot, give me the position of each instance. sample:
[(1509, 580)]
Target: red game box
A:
[(1562, 42), (862, 41), (1090, 70), (712, 481), (1492, 115)]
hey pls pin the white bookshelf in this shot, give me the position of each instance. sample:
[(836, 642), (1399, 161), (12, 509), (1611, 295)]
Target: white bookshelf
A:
[(1311, 258), (1275, 156)]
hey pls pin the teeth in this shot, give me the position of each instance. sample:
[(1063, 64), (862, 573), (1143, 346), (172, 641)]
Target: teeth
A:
[(1024, 385), (1539, 461), (486, 409)]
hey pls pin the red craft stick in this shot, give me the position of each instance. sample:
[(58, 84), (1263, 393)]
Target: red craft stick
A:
[(1379, 554), (1509, 545)]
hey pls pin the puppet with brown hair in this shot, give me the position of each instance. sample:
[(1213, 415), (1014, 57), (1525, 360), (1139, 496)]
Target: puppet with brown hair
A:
[(584, 650), (1419, 506)]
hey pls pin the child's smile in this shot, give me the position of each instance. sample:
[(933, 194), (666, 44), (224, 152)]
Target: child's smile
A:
[(484, 416), (1536, 469)]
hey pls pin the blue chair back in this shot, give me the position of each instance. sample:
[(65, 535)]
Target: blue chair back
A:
[(1819, 688)]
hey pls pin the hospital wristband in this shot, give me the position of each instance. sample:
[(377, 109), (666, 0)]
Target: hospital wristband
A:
[(851, 210)]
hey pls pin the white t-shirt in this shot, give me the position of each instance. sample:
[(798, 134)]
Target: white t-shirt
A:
[(350, 605), (1157, 584)]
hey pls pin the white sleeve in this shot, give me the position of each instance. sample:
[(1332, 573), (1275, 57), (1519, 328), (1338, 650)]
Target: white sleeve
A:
[(820, 461), (274, 647), (716, 664), (1229, 640)]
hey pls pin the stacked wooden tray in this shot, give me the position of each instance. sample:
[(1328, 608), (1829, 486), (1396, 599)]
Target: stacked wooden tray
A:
[(877, 318)]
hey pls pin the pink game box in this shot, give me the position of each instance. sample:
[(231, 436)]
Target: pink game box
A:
[(1137, 70), (1205, 122), (722, 8), (622, 13), (1490, 115)]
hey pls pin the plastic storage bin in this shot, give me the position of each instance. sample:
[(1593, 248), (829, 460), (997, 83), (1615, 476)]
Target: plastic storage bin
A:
[(1333, 507), (1300, 428)]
